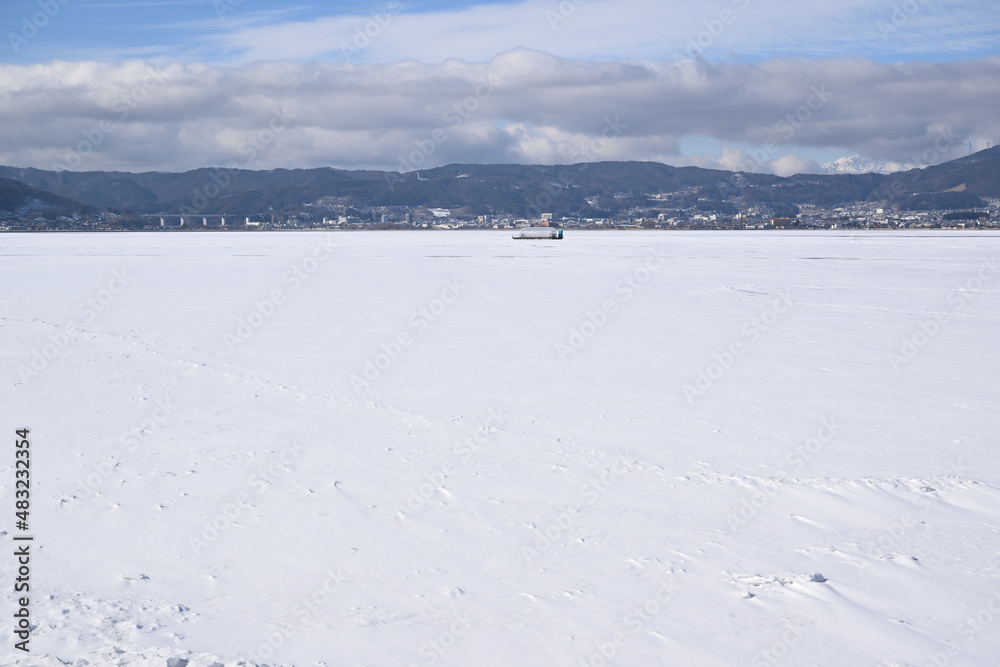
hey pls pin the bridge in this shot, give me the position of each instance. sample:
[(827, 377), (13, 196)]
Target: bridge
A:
[(192, 221)]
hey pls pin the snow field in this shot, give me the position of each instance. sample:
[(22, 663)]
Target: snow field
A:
[(452, 448)]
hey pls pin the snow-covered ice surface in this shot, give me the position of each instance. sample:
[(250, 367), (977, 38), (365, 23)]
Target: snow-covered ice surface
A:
[(454, 448)]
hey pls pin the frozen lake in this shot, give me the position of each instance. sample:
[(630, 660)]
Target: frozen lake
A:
[(454, 448)]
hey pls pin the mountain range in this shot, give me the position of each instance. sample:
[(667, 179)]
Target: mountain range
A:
[(589, 189)]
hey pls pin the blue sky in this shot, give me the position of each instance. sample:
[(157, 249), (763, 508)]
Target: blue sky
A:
[(603, 46)]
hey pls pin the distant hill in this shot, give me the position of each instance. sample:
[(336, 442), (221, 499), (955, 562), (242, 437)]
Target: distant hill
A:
[(22, 199), (960, 183), (589, 189)]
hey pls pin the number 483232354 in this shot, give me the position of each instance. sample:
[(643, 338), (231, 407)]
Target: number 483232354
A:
[(23, 474)]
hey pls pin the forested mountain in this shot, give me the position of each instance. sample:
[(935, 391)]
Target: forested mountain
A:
[(587, 189)]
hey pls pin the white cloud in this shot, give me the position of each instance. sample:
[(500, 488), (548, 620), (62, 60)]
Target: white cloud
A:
[(735, 159), (522, 106), (617, 29), (786, 165)]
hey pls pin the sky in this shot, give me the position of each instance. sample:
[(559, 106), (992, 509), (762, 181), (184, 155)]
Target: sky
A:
[(775, 86)]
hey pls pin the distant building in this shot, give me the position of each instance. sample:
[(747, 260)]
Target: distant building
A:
[(783, 223)]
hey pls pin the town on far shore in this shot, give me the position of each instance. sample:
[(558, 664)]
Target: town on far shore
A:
[(863, 215)]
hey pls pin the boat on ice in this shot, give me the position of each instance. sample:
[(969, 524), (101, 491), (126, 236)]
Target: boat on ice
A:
[(538, 233)]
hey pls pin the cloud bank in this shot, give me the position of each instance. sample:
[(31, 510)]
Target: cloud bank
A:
[(521, 106), (234, 31)]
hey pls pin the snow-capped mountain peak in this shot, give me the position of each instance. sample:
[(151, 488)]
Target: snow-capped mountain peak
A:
[(855, 164)]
